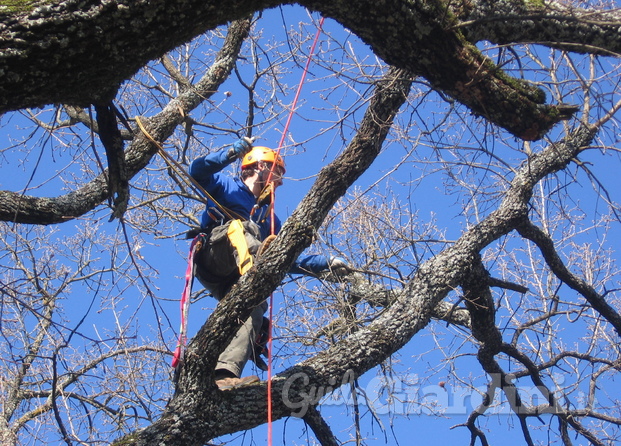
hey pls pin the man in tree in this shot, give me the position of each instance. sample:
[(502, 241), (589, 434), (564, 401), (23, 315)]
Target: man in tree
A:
[(237, 223), (47, 57)]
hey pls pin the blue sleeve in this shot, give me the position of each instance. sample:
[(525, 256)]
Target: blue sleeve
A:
[(202, 169), (313, 263)]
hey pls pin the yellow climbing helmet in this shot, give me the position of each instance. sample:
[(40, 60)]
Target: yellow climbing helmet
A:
[(260, 153)]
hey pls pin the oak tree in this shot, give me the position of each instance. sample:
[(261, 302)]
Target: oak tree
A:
[(508, 107)]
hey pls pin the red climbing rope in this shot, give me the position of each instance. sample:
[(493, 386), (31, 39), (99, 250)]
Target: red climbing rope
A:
[(280, 144), (297, 93), (185, 303)]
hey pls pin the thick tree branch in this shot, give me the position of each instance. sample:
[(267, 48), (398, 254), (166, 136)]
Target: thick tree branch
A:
[(320, 428), (198, 411), (19, 208), (41, 61), (195, 408), (434, 279), (551, 23), (479, 302), (425, 41), (79, 52), (437, 277)]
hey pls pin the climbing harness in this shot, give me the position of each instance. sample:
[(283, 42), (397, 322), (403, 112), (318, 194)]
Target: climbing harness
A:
[(237, 238), (198, 241)]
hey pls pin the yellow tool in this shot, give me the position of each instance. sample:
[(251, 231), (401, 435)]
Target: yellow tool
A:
[(238, 240)]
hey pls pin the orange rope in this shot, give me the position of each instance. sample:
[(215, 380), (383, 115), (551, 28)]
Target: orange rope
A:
[(273, 218)]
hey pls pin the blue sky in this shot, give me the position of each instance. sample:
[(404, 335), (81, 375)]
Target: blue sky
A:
[(431, 194)]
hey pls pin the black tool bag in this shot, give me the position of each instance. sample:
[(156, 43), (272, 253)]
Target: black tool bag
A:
[(217, 261)]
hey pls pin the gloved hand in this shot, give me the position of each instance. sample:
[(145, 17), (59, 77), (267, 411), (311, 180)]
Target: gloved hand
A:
[(339, 266), (241, 147)]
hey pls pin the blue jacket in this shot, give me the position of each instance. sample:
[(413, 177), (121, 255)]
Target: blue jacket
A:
[(233, 194)]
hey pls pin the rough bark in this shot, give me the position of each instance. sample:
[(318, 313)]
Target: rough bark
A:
[(198, 411), (549, 23), (79, 52), (406, 317), (194, 413), (320, 428), (20, 208)]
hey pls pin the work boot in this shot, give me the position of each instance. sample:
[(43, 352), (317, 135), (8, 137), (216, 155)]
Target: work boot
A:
[(266, 243), (230, 383)]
